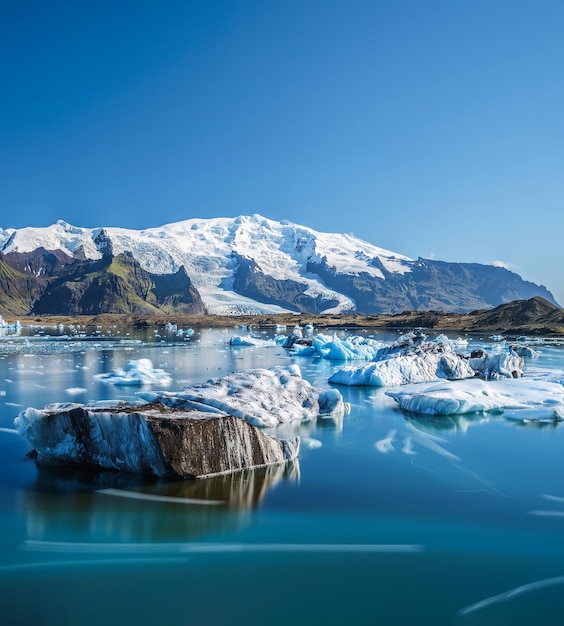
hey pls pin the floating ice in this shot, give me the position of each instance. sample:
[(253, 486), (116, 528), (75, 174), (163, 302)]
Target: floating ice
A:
[(353, 348), (470, 396), (456, 344), (9, 329), (150, 438), (139, 372), (404, 369), (412, 359), (238, 340), (263, 397), (498, 365)]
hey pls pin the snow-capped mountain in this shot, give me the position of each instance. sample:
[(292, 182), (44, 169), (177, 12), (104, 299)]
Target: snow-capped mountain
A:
[(251, 264)]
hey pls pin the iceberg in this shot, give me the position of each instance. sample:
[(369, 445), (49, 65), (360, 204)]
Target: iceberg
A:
[(497, 365), (411, 359), (150, 439), (238, 341), (139, 372), (476, 395), (353, 348), (205, 429), (6, 328), (263, 397)]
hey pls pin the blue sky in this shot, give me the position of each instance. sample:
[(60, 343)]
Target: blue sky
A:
[(434, 129)]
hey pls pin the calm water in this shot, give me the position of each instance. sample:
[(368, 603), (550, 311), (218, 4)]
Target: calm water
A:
[(387, 518)]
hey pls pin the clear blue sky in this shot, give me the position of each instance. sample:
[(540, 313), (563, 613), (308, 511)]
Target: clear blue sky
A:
[(433, 128)]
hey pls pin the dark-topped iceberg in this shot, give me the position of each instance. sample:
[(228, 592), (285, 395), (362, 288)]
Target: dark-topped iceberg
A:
[(203, 430)]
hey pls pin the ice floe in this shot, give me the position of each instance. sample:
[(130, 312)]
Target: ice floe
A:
[(413, 359), (476, 395), (238, 340)]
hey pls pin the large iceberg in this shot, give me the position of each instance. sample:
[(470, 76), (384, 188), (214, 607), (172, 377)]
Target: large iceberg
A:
[(202, 430), (150, 439), (6, 328), (412, 359), (476, 395), (263, 397), (409, 360)]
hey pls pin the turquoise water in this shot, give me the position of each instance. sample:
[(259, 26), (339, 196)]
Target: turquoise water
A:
[(387, 518)]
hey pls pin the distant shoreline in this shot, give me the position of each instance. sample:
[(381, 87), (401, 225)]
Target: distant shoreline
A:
[(525, 317)]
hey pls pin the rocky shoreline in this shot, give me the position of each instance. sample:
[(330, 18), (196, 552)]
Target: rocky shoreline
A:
[(536, 317)]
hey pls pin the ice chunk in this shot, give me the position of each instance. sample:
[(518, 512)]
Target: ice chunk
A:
[(412, 359), (405, 369), (139, 372), (238, 340), (350, 349), (498, 365), (263, 397)]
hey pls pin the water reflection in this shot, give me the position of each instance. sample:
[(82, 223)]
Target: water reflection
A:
[(85, 505), (443, 423)]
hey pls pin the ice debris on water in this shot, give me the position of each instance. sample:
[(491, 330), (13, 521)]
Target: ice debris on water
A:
[(238, 341), (136, 372)]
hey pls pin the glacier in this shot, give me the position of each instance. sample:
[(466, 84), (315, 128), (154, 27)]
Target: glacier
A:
[(206, 248)]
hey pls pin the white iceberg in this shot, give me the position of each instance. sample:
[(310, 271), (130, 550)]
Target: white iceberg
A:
[(353, 348), (6, 328), (476, 395), (137, 372), (263, 397), (412, 359), (409, 360), (497, 365), (238, 340), (456, 344)]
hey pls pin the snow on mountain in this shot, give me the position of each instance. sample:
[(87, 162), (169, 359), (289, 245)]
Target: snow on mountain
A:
[(209, 248), (59, 236)]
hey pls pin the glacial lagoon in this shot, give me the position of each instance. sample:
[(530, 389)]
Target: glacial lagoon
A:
[(387, 517)]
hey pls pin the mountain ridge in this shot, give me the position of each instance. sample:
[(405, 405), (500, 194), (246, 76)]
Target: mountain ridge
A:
[(253, 265)]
